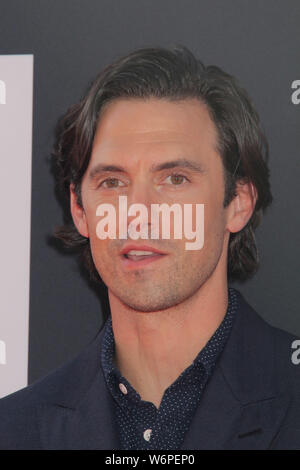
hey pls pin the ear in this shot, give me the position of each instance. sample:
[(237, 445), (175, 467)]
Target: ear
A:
[(242, 206), (78, 214)]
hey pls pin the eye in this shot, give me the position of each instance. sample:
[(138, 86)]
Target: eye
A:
[(110, 183), (177, 179)]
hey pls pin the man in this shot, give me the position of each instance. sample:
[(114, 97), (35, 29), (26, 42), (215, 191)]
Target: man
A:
[(183, 361)]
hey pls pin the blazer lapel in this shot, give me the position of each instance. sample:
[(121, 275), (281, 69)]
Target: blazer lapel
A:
[(79, 414), (91, 425), (215, 418), (243, 403)]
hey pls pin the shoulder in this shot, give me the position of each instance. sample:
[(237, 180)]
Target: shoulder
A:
[(271, 353), (287, 367), (18, 424), (267, 340), (19, 411), (262, 365), (261, 357)]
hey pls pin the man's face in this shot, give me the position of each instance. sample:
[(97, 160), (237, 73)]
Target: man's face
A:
[(140, 137)]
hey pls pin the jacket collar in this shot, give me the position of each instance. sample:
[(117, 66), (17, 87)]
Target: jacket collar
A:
[(242, 403)]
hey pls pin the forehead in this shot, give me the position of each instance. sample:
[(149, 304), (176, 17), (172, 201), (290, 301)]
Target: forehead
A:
[(126, 125)]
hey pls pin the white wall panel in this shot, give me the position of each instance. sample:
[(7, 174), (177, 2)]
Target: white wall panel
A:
[(16, 94)]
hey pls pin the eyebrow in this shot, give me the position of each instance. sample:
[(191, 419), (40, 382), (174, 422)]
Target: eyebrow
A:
[(182, 162), (101, 168)]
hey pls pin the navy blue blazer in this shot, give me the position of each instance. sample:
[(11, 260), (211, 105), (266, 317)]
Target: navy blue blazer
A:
[(252, 400)]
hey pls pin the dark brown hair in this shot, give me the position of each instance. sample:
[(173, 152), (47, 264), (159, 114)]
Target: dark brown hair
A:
[(174, 74)]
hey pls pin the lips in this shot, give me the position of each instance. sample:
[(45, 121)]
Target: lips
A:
[(144, 249), (140, 255)]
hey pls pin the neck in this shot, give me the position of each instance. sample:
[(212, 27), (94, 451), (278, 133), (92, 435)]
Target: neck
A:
[(154, 348)]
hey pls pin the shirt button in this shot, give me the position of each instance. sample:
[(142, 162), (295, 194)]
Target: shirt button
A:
[(123, 388), (147, 434)]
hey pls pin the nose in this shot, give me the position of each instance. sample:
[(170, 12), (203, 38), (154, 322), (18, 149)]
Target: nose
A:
[(139, 201), (141, 193)]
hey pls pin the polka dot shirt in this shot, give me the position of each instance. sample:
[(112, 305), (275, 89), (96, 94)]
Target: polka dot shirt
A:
[(141, 425)]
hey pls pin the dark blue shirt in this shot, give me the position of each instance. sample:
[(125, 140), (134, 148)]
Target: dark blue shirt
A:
[(141, 425)]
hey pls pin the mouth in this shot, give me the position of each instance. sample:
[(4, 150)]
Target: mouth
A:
[(139, 257)]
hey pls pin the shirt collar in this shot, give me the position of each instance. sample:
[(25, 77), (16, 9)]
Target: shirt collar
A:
[(207, 357)]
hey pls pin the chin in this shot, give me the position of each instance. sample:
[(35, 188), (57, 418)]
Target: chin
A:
[(147, 305)]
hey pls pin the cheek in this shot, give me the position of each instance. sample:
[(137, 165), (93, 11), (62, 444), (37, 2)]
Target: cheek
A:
[(214, 223), (98, 247), (101, 257)]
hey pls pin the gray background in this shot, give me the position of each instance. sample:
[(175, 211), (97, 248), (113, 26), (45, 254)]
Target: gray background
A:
[(257, 41)]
